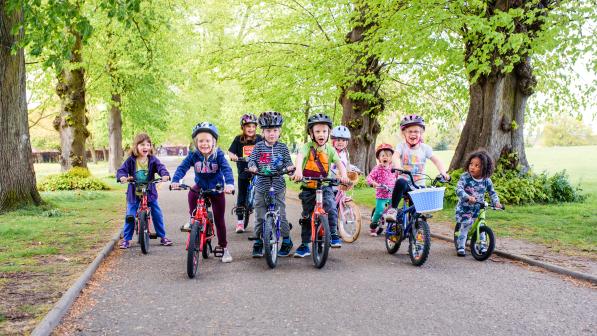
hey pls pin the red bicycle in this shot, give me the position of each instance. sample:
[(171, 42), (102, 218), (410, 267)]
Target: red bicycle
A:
[(142, 219), (201, 231)]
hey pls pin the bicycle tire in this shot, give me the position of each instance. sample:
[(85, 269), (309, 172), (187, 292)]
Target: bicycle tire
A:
[(421, 234), (207, 248), (456, 234), (248, 207), (475, 251), (393, 237), (143, 234), (193, 251), (320, 246), (270, 242), (246, 217), (351, 213)]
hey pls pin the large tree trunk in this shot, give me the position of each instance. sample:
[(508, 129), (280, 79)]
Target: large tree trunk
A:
[(17, 178), (115, 134), (360, 114), (72, 121)]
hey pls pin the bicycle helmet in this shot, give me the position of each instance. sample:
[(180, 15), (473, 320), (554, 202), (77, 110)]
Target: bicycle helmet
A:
[(381, 147), (248, 118), (270, 119), (319, 118), (341, 132), (411, 120), (205, 127)]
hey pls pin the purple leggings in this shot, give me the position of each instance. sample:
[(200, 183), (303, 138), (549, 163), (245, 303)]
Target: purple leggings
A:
[(218, 205)]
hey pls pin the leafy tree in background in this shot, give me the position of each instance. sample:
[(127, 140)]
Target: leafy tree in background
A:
[(566, 131)]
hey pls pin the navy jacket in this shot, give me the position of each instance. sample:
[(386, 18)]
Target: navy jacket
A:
[(208, 171)]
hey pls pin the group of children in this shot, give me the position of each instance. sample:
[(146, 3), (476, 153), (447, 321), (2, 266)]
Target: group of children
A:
[(317, 158)]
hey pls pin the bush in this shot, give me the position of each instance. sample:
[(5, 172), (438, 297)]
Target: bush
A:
[(75, 179), (514, 187)]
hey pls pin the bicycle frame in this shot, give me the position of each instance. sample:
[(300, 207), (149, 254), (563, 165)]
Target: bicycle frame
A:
[(201, 218), (272, 211), (318, 210)]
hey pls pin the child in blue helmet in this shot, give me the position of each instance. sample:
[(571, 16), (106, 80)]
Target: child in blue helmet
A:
[(211, 168)]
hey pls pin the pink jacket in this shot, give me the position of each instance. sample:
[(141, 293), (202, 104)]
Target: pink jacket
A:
[(382, 175)]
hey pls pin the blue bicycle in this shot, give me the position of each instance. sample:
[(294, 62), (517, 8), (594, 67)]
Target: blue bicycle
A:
[(248, 208), (270, 232), (412, 223)]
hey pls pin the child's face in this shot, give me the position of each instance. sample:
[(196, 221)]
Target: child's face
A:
[(385, 157), (205, 142), (474, 168), (144, 148), (249, 130), (271, 135), (320, 133), (340, 144), (412, 134)]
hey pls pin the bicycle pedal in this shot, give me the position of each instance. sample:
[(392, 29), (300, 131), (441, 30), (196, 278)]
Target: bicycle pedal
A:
[(218, 251), (153, 235), (253, 238)]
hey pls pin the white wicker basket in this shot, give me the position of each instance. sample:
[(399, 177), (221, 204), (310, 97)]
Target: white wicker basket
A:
[(428, 200)]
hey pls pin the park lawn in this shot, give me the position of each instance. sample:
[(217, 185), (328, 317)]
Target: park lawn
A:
[(44, 249), (570, 228)]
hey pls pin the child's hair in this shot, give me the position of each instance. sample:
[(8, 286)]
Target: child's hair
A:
[(487, 166), (245, 139), (139, 138), (214, 148)]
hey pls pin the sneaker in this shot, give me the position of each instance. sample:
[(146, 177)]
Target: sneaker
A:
[(336, 242), (165, 241), (373, 232), (302, 251), (461, 252), (483, 247), (258, 249), (186, 227), (125, 244), (240, 227), (226, 258), (285, 248), (390, 215)]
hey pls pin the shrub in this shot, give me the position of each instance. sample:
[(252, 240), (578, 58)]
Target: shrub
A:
[(75, 179)]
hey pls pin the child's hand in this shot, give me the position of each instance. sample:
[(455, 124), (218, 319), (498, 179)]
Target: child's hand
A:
[(228, 189), (124, 179), (374, 184), (344, 179), (290, 168), (175, 186), (298, 176), (165, 178), (499, 205), (471, 199), (233, 157), (253, 169), (446, 177)]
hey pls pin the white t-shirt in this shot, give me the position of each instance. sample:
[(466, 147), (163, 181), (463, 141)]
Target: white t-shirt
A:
[(414, 159)]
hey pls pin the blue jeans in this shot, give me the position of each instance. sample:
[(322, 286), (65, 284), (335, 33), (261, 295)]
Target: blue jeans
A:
[(156, 217)]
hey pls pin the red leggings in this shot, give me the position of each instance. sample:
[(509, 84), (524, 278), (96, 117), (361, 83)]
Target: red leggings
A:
[(218, 206)]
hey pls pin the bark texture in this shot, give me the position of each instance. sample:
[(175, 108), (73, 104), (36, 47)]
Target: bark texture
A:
[(360, 98), (17, 177), (115, 134), (72, 121)]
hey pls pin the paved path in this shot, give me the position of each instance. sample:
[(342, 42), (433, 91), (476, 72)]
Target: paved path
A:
[(361, 290)]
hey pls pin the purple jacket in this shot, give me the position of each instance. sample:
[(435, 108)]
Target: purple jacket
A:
[(128, 169)]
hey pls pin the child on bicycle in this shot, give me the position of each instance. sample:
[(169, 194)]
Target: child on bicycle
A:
[(241, 147), (381, 176), (314, 161), (411, 155), (141, 166), (471, 188), (211, 169), (270, 155)]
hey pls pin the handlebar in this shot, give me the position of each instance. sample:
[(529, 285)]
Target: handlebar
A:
[(132, 181), (272, 174), (438, 179), (242, 159), (331, 181), (217, 190), (385, 187), (484, 205)]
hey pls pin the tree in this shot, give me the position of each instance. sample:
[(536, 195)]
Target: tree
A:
[(17, 178)]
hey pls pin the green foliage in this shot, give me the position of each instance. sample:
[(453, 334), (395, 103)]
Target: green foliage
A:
[(75, 179), (566, 131), (516, 188)]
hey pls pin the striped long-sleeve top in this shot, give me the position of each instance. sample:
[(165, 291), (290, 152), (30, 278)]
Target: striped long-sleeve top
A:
[(273, 158)]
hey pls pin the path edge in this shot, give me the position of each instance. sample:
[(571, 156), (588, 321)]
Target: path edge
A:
[(54, 316)]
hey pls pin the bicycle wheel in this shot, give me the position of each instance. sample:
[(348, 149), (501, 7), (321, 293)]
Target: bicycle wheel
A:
[(321, 245), (349, 222), (419, 243), (249, 206), (143, 232), (393, 237), (193, 251), (456, 234), (207, 249), (270, 242), (481, 250), (246, 217)]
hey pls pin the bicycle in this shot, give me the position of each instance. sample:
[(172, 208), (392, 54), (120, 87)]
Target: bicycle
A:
[(482, 238), (142, 218), (412, 222), (381, 223), (201, 231), (320, 227), (248, 209), (270, 233), (349, 215)]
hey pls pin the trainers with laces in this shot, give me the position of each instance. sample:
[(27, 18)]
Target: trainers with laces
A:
[(285, 248), (240, 227), (373, 232), (336, 242), (390, 215), (258, 249), (125, 244), (461, 252), (302, 251), (226, 258), (165, 241)]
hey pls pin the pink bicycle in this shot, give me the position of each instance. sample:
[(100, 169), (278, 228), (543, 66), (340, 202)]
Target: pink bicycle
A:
[(349, 215)]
